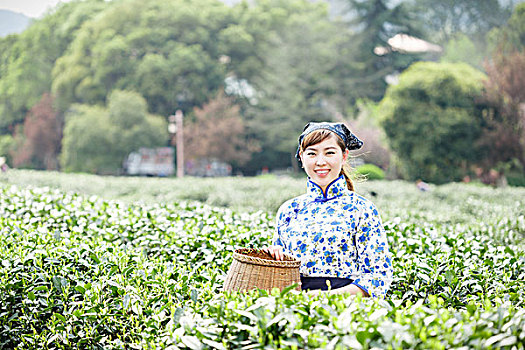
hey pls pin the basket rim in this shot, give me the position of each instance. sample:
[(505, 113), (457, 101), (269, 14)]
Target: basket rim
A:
[(239, 256)]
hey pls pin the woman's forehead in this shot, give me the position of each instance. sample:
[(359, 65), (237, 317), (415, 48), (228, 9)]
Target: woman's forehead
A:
[(329, 142)]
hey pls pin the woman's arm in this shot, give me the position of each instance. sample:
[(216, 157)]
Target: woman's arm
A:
[(276, 250), (374, 258)]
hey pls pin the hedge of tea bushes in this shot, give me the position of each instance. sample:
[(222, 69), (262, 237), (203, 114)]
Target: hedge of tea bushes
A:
[(83, 272), (453, 203)]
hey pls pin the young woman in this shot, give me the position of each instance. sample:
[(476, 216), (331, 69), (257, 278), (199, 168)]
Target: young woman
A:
[(337, 234)]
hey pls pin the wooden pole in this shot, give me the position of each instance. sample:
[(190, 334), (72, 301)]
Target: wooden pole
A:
[(180, 143)]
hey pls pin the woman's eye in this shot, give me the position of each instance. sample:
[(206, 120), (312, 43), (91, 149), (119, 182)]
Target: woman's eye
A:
[(310, 153)]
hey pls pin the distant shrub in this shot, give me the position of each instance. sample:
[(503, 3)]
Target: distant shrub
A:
[(432, 122), (97, 139), (371, 171), (515, 179)]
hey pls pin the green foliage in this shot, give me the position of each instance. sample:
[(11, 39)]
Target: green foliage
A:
[(462, 49), (473, 18), (370, 171), (97, 140), (86, 142), (510, 37), (166, 51), (373, 23), (299, 62), (516, 178), (431, 120), (302, 66), (6, 142), (28, 58), (85, 272)]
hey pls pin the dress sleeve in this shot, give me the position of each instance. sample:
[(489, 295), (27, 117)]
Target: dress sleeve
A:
[(279, 220), (374, 258)]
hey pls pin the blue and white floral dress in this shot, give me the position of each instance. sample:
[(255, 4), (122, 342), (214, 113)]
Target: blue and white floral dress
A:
[(336, 235)]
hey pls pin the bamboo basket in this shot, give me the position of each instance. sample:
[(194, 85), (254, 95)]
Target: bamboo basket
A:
[(249, 272)]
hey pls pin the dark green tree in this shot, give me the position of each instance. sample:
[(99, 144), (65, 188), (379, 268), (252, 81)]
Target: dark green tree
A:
[(432, 122), (373, 23)]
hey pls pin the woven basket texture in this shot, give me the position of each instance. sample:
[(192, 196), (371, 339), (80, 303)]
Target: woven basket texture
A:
[(249, 272)]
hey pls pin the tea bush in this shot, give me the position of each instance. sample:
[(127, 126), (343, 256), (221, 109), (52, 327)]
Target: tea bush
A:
[(370, 172), (79, 271)]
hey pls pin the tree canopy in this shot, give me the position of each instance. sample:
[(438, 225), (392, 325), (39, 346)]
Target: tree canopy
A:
[(281, 63), (27, 59), (98, 139), (431, 120)]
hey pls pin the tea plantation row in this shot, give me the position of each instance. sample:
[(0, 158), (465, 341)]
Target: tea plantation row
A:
[(83, 272)]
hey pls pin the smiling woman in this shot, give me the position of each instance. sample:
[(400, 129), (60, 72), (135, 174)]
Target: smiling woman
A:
[(337, 234)]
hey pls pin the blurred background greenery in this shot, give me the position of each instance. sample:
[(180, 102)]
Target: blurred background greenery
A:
[(435, 89)]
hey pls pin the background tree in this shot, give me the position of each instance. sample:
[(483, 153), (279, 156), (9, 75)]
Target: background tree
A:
[(298, 83), (373, 23), (39, 145), (86, 146), (27, 59), (474, 18), (432, 122), (283, 62), (6, 143), (461, 27), (503, 140), (509, 37), (367, 126), (97, 139), (461, 48), (166, 51), (218, 132)]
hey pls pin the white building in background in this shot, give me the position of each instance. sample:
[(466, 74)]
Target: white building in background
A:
[(151, 162), (405, 43)]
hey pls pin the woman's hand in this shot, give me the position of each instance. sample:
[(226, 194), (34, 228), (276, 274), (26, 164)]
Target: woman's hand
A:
[(276, 251), (350, 289)]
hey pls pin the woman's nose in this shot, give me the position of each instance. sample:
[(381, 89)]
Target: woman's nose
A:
[(320, 160)]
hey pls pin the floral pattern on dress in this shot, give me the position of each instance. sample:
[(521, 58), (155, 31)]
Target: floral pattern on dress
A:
[(339, 234)]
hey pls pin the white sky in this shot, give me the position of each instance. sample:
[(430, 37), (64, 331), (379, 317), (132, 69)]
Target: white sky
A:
[(31, 8)]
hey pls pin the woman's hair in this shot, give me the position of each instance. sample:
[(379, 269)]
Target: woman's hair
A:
[(320, 135)]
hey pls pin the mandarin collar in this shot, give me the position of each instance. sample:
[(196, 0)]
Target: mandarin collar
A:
[(335, 189)]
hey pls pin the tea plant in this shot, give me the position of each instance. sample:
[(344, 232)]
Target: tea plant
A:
[(80, 271)]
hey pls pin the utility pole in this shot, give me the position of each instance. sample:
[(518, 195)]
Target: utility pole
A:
[(180, 143)]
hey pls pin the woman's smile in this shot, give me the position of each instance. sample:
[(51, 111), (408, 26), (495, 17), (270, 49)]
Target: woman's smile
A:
[(322, 172)]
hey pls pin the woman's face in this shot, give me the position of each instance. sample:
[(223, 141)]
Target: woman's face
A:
[(323, 161)]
